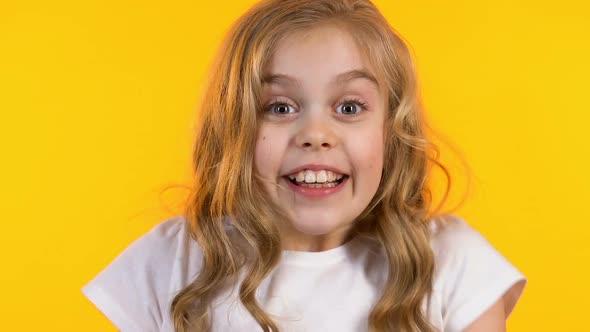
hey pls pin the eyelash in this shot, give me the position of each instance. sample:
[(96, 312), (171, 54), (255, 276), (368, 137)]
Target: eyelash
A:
[(351, 100)]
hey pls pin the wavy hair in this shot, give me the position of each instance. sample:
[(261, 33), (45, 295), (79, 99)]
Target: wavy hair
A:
[(226, 186)]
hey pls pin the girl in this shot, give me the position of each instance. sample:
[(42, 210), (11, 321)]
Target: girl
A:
[(310, 209)]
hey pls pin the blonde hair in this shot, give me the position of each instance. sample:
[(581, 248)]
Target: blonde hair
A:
[(225, 185)]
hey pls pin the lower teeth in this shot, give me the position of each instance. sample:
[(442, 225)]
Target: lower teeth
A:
[(318, 185)]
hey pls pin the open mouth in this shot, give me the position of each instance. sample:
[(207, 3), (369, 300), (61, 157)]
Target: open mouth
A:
[(326, 184)]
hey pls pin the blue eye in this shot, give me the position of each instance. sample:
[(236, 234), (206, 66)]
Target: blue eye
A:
[(352, 107), (280, 108), (348, 107)]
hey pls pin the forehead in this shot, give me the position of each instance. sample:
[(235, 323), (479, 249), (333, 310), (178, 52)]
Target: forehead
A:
[(323, 55)]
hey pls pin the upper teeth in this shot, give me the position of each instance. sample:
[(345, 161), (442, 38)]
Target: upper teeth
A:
[(309, 176)]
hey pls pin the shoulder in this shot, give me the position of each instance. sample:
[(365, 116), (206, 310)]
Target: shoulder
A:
[(470, 273), (135, 289), (452, 237)]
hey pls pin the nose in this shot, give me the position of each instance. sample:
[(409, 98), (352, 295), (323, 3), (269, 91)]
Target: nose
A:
[(315, 133)]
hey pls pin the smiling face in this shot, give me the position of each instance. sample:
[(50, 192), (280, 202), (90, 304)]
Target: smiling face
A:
[(320, 144)]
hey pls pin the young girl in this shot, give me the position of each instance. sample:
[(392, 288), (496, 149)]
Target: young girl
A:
[(310, 209)]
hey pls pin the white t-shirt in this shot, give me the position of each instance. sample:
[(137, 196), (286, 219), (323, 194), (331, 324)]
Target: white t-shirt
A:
[(326, 291)]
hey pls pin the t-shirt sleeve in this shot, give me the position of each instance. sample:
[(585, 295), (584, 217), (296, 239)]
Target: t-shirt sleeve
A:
[(471, 275), (131, 289)]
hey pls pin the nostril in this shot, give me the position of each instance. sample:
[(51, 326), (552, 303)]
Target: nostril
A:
[(323, 145)]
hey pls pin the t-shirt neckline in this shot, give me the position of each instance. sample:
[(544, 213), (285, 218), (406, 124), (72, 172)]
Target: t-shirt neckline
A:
[(293, 257)]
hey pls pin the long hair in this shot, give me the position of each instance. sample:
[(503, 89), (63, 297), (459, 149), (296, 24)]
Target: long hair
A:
[(226, 186)]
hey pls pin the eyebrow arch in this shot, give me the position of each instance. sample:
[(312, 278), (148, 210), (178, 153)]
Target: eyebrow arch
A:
[(339, 79)]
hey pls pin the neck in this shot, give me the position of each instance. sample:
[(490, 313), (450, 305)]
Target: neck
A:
[(294, 240)]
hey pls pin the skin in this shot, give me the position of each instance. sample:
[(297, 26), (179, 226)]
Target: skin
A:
[(315, 130), (308, 126), (492, 320)]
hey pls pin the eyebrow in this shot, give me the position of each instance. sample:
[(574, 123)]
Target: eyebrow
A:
[(283, 79)]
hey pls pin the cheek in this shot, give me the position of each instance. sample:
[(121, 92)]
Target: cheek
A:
[(260, 151), (368, 150), (267, 153)]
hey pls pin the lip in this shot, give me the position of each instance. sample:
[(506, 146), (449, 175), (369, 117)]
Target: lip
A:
[(314, 167), (316, 192)]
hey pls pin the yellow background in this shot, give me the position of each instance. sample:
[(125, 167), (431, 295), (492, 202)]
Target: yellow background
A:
[(97, 101)]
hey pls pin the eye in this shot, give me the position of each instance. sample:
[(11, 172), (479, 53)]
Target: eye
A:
[(280, 107), (351, 107)]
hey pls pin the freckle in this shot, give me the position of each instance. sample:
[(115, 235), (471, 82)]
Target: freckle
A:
[(263, 138)]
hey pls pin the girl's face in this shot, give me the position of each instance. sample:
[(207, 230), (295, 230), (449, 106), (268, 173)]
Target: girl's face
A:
[(320, 145)]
